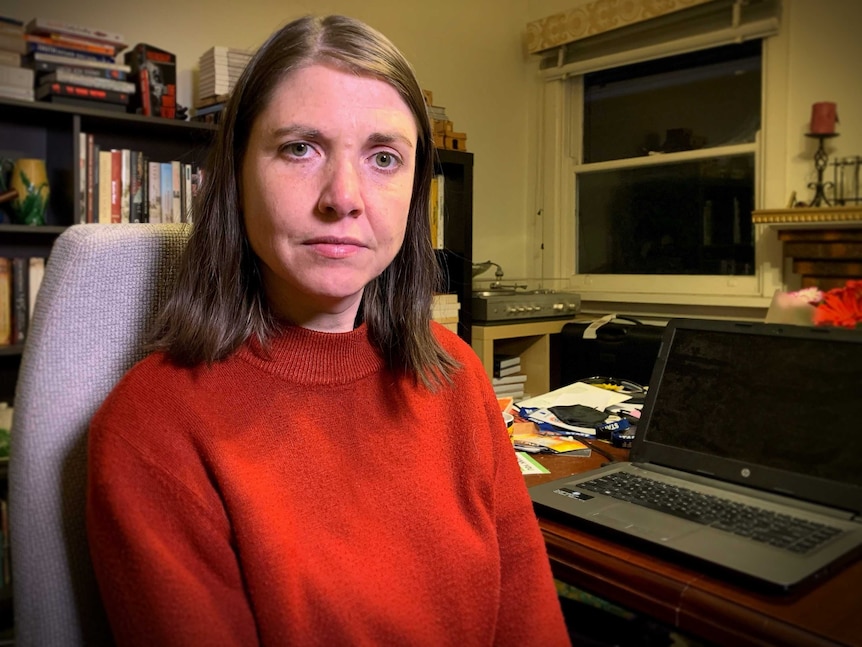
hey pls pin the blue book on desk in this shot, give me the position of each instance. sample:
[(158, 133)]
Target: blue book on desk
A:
[(747, 459)]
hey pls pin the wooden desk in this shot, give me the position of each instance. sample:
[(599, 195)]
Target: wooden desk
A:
[(700, 606)]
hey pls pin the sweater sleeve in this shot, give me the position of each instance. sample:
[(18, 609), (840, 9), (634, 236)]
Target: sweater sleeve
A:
[(530, 612), (159, 538)]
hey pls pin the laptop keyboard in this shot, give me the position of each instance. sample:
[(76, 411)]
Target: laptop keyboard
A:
[(781, 530)]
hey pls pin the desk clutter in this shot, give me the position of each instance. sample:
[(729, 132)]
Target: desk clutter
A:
[(567, 419)]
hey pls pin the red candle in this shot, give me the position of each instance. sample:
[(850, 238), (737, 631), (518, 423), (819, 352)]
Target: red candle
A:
[(824, 114)]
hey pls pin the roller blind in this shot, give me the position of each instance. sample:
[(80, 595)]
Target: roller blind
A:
[(698, 25)]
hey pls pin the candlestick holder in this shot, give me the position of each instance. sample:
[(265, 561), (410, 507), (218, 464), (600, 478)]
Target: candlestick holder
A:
[(821, 161)]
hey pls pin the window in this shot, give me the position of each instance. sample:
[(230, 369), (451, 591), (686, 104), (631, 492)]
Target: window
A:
[(651, 157), (667, 179)]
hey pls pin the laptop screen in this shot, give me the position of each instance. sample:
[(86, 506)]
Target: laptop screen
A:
[(749, 396)]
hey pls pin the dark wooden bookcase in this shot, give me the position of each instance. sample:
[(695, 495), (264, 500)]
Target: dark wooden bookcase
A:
[(51, 132), (456, 257)]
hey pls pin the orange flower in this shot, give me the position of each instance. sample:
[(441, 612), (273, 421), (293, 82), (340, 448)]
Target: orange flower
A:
[(841, 306)]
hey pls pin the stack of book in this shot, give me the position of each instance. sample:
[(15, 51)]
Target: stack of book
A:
[(77, 65), (444, 310), (220, 69), (508, 380), (16, 81)]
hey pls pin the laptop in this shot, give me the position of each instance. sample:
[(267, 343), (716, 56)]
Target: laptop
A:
[(750, 440)]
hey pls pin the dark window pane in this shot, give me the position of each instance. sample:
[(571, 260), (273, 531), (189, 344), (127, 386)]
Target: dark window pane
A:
[(686, 102), (680, 218)]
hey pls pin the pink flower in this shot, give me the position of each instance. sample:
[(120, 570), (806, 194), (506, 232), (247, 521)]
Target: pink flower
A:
[(841, 306)]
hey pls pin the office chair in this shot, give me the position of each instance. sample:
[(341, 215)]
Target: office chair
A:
[(101, 289)]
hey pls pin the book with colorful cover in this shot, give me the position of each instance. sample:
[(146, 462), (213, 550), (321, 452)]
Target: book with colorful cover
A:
[(68, 53), (43, 26), (69, 42), (35, 58), (81, 92)]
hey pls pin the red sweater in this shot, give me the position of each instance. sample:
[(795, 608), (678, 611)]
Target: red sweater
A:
[(313, 498)]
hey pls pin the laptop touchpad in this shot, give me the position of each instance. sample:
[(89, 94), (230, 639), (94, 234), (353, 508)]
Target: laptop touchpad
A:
[(642, 522)]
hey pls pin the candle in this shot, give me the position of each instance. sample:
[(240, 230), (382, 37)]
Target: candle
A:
[(824, 114)]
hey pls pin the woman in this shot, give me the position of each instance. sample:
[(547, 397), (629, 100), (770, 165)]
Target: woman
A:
[(306, 459)]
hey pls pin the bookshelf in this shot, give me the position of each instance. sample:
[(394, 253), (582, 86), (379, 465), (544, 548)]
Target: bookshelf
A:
[(51, 132), (456, 257)]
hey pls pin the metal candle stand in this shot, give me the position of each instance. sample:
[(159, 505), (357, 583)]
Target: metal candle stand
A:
[(821, 161)]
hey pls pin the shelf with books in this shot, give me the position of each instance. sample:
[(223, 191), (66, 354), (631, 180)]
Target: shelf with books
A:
[(529, 341), (52, 132), (55, 133)]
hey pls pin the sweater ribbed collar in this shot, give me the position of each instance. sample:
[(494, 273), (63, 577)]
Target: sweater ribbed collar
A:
[(310, 357)]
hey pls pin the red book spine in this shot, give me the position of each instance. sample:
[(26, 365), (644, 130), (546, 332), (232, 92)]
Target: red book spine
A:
[(146, 104), (116, 184)]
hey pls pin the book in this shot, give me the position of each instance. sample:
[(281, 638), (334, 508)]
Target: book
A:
[(21, 77), (505, 361), (13, 43), (125, 184), (176, 192), (66, 52), (20, 299), (37, 273), (503, 372), (92, 183), (105, 173), (513, 390), (34, 58), (136, 190), (154, 191), (85, 103), (42, 26), (515, 378), (436, 211), (5, 301), (71, 42), (87, 80), (155, 73), (81, 92), (22, 94), (187, 192), (81, 212), (167, 192), (116, 184), (12, 59), (41, 68)]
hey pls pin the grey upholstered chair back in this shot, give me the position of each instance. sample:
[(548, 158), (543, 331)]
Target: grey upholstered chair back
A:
[(102, 286)]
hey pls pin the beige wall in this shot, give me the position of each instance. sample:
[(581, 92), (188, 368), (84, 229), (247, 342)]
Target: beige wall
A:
[(470, 55)]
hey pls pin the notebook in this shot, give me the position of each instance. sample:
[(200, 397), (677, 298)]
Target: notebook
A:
[(759, 415)]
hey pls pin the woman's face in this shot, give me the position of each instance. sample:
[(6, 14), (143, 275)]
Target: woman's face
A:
[(326, 186)]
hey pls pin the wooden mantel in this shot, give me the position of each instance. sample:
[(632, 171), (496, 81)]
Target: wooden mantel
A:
[(824, 243)]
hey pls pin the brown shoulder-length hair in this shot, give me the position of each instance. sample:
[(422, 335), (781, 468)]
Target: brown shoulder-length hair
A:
[(218, 301)]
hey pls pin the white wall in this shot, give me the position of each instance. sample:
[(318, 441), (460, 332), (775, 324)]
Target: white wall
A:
[(469, 54)]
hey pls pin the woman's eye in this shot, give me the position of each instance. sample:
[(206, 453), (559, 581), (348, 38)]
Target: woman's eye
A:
[(385, 160), (297, 149)]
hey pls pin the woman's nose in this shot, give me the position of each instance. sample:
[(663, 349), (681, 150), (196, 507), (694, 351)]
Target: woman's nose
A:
[(341, 194)]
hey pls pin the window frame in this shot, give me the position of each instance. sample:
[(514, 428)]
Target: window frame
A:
[(561, 115)]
